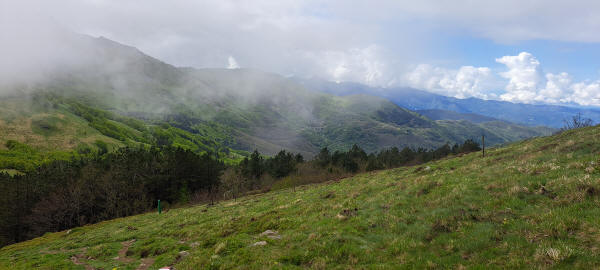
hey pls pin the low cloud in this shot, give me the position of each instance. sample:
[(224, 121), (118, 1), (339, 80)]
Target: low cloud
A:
[(523, 81), (232, 63), (379, 44), (365, 65), (467, 81)]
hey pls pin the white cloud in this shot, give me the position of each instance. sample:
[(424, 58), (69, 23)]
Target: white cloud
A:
[(585, 94), (524, 81), (365, 65), (557, 87), (467, 81), (525, 77), (507, 20), (527, 83), (232, 63)]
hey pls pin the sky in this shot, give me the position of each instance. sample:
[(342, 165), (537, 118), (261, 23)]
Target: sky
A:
[(541, 52)]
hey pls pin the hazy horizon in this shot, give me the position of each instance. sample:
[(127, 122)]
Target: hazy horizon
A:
[(499, 50)]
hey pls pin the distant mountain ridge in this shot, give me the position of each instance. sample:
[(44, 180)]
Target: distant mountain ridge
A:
[(414, 99), (450, 115)]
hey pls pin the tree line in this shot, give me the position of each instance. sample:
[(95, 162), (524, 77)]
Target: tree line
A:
[(287, 169), (64, 194)]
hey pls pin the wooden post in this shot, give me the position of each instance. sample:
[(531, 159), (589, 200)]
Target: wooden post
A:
[(483, 145), (159, 209)]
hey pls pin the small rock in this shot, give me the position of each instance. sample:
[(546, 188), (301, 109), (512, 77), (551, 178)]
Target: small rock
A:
[(427, 168), (116, 258), (259, 243), (69, 231), (271, 234), (268, 232), (341, 217), (183, 253), (195, 244), (219, 247)]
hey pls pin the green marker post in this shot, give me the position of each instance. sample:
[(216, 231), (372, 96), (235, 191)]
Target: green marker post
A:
[(159, 210)]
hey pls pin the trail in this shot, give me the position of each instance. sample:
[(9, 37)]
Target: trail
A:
[(123, 252), (76, 260)]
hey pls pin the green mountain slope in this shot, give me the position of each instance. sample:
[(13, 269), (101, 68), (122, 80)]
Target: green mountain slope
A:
[(43, 127), (120, 96), (451, 115), (532, 204)]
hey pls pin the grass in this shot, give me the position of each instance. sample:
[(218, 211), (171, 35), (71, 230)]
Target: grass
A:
[(65, 128), (11, 172), (532, 204)]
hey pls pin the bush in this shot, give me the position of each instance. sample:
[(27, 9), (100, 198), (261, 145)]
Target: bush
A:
[(577, 122)]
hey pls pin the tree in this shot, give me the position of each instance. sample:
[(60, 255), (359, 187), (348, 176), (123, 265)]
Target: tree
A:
[(323, 158), (373, 163), (577, 122), (442, 151), (357, 153), (281, 164), (232, 182), (349, 164), (469, 146)]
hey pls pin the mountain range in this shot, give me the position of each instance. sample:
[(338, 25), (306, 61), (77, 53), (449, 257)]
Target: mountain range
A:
[(414, 99), (120, 96)]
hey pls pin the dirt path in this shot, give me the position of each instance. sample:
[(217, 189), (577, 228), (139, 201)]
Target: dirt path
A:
[(146, 263), (123, 252), (79, 258), (76, 260)]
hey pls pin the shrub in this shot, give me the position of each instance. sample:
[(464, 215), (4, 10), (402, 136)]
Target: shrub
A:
[(577, 121)]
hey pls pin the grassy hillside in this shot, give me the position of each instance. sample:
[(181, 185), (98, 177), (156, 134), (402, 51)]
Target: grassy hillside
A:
[(532, 204), (451, 115), (44, 126)]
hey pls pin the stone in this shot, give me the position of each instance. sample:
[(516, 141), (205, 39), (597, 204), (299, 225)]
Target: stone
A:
[(341, 217), (259, 243), (268, 232)]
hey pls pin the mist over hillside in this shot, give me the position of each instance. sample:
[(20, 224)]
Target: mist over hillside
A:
[(260, 110)]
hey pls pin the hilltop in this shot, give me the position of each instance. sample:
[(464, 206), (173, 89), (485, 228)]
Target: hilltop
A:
[(531, 204)]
